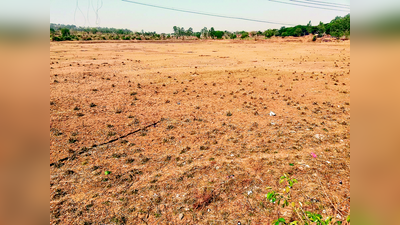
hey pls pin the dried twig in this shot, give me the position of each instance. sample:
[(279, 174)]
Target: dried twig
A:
[(323, 189)]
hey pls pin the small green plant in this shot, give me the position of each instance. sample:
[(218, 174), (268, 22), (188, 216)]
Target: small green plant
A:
[(283, 221), (92, 104), (283, 200), (317, 218), (314, 38), (72, 140), (228, 113), (107, 172)]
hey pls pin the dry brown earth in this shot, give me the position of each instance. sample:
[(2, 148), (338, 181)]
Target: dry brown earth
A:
[(213, 100)]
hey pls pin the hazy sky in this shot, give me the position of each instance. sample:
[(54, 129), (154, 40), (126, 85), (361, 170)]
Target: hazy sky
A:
[(119, 14)]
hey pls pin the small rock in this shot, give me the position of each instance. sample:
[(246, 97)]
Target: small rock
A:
[(319, 136), (249, 192), (208, 210), (181, 216)]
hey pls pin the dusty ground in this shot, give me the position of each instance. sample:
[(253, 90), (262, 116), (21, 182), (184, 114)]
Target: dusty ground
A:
[(216, 148)]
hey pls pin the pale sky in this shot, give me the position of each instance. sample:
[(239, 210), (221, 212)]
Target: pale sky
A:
[(119, 14)]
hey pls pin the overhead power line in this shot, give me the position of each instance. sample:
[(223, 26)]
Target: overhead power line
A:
[(309, 6), (77, 8), (331, 3), (207, 14), (321, 4)]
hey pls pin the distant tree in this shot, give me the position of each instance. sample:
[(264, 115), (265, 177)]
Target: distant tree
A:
[(197, 34), (176, 31), (182, 31), (347, 34), (189, 32), (219, 34), (269, 33), (233, 36), (309, 27), (204, 32), (244, 34), (298, 32), (281, 31), (339, 26), (212, 32), (65, 32), (321, 29), (52, 30)]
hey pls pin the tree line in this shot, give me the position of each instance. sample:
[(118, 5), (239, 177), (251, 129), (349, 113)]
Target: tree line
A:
[(338, 27)]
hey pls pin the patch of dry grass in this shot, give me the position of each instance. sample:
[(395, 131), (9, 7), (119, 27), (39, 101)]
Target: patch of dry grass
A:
[(216, 148)]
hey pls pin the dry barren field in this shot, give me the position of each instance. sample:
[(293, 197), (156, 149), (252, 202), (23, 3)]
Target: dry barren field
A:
[(181, 132)]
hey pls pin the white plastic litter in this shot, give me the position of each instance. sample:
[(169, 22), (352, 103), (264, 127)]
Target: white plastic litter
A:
[(272, 113)]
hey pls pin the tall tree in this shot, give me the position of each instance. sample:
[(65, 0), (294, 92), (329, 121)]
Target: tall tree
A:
[(309, 27), (321, 29), (212, 32), (204, 32), (189, 32)]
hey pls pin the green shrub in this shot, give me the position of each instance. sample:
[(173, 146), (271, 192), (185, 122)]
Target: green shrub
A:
[(65, 32), (56, 38)]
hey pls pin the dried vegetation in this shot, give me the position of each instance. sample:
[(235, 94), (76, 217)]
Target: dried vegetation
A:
[(215, 149)]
